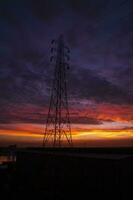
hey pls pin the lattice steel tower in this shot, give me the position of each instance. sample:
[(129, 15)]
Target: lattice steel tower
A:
[(58, 130)]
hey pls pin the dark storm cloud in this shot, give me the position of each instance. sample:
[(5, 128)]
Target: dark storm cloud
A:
[(100, 34), (85, 120), (125, 77), (48, 9), (24, 81), (32, 117), (45, 10), (35, 115), (87, 84), (92, 9), (22, 112)]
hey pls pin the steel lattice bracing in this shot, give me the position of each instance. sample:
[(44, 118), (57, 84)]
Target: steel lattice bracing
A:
[(58, 129)]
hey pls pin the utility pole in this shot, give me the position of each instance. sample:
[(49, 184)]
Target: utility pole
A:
[(58, 129)]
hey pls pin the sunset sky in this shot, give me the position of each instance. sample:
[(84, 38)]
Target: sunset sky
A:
[(100, 80)]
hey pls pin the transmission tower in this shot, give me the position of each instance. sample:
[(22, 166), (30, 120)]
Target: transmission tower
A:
[(58, 128)]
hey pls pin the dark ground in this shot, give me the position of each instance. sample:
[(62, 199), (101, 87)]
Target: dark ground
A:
[(66, 173)]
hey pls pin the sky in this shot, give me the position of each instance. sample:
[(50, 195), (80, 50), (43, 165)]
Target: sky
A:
[(100, 84)]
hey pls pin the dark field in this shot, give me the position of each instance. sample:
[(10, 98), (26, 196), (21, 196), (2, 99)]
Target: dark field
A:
[(91, 173)]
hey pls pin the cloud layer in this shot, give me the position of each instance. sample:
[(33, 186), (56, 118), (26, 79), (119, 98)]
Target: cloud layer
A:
[(100, 36)]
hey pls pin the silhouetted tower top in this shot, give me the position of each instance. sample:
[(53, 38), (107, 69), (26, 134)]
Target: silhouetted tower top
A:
[(58, 130)]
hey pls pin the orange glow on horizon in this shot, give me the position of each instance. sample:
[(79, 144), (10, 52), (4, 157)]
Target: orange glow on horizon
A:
[(103, 134), (32, 133)]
